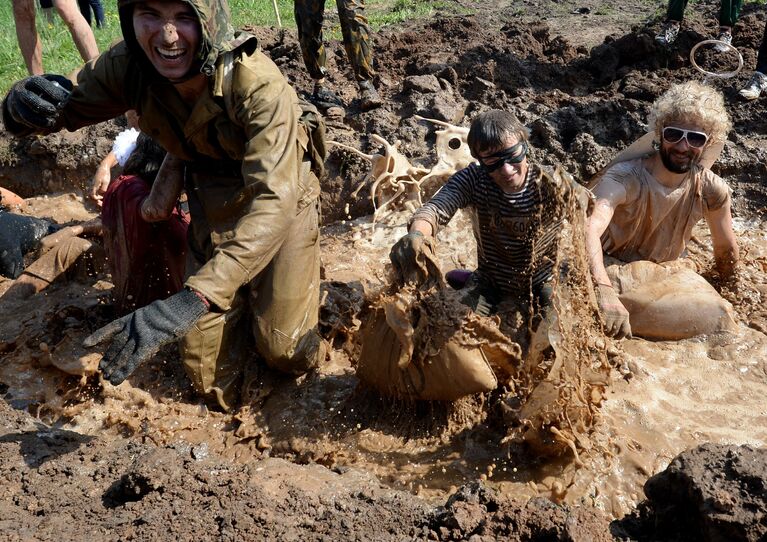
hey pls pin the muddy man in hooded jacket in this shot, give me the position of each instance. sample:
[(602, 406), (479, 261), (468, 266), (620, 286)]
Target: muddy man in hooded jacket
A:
[(230, 123)]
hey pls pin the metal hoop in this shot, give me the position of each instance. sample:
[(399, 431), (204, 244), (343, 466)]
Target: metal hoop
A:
[(723, 75)]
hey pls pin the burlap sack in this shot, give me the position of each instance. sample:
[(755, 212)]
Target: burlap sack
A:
[(430, 347), (670, 301)]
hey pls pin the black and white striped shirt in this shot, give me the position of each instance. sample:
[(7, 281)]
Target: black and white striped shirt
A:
[(516, 234)]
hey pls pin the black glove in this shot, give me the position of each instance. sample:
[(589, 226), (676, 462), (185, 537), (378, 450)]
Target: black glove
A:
[(33, 104), (137, 336), (414, 260), (18, 235)]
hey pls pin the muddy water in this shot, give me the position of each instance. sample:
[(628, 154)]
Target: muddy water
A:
[(663, 397)]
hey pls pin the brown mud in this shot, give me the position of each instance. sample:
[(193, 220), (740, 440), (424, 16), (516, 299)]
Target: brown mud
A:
[(321, 457)]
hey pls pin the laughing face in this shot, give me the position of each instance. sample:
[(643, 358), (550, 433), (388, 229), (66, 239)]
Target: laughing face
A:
[(510, 177), (679, 156), (169, 34)]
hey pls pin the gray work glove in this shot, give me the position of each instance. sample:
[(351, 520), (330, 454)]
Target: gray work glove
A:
[(34, 103), (414, 260), (614, 314), (137, 336), (19, 234)]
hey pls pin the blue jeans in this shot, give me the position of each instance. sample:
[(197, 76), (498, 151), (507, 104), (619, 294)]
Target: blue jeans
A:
[(98, 11)]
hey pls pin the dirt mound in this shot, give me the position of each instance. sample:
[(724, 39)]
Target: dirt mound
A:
[(478, 513), (713, 492), (59, 162), (121, 490)]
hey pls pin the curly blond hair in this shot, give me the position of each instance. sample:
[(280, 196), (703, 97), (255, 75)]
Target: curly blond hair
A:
[(691, 102)]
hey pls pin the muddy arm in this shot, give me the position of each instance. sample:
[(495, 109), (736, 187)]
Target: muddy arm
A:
[(726, 254), (91, 227), (609, 194), (421, 225), (166, 189)]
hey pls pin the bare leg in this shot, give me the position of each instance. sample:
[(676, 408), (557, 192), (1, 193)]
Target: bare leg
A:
[(82, 34), (29, 41)]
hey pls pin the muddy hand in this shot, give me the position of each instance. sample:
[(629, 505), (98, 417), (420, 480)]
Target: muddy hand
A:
[(614, 314), (137, 336), (413, 260), (34, 103)]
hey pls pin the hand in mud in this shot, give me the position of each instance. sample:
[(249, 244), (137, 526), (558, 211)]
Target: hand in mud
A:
[(414, 260), (137, 336), (34, 103), (614, 314)]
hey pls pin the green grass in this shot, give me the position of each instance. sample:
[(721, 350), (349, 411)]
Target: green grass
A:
[(379, 12)]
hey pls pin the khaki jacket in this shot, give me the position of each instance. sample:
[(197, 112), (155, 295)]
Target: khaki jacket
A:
[(247, 216)]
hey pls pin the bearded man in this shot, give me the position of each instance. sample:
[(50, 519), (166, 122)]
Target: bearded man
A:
[(645, 210)]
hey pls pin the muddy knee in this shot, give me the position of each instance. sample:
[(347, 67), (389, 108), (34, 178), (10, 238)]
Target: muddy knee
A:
[(294, 356)]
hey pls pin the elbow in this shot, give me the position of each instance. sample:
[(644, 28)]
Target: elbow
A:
[(154, 213)]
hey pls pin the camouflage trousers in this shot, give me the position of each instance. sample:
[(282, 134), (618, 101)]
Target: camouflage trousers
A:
[(355, 30), (728, 11)]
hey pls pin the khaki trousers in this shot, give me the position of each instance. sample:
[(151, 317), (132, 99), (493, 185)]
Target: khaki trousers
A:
[(281, 307)]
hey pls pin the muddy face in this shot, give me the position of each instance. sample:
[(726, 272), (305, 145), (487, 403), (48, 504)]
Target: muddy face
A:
[(169, 34)]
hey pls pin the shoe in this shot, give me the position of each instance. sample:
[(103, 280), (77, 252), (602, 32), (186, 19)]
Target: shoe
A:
[(369, 98), (668, 34), (755, 86), (725, 36), (324, 98)]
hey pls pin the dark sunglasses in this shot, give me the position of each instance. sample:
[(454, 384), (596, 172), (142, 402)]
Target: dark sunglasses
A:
[(694, 139), (513, 155)]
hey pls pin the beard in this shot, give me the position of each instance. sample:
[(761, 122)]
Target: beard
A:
[(673, 167)]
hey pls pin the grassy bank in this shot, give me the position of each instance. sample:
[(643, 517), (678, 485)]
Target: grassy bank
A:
[(61, 56)]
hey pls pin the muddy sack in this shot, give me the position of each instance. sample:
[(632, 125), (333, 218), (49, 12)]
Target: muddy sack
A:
[(428, 346), (670, 301)]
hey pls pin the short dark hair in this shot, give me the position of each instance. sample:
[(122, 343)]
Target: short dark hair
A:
[(145, 160), (491, 129)]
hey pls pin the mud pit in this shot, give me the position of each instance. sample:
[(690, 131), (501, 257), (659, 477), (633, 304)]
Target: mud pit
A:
[(99, 462)]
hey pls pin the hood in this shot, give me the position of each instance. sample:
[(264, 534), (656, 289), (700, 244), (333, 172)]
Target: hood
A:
[(215, 20)]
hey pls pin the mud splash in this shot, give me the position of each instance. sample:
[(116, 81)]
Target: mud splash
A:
[(663, 397)]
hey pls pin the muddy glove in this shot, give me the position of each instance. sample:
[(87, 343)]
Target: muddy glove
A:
[(33, 104), (414, 260), (614, 314), (18, 235), (137, 336)]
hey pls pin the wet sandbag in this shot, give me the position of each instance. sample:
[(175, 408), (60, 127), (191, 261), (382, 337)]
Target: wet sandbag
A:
[(428, 346), (670, 301), (18, 235)]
